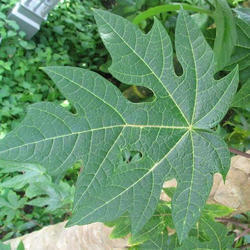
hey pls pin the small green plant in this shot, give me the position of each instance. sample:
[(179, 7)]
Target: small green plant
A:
[(169, 137), (206, 234), (29, 199), (8, 247)]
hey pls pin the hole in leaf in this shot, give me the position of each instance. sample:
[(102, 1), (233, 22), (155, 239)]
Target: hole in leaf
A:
[(177, 67), (108, 3), (67, 105), (138, 94), (28, 209), (73, 172), (220, 74), (133, 93), (131, 156)]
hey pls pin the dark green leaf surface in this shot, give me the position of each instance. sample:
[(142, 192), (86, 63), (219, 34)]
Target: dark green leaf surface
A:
[(242, 98), (206, 234), (155, 226), (241, 54), (10, 204), (226, 35), (157, 242), (53, 196), (172, 133), (121, 227), (28, 173), (216, 234)]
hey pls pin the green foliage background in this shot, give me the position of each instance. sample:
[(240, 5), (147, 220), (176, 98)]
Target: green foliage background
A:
[(69, 37)]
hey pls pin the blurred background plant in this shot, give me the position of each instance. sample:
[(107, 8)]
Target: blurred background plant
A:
[(29, 199), (69, 37), (208, 233)]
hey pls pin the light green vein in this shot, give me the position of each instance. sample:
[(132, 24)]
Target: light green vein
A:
[(87, 90), (140, 179)]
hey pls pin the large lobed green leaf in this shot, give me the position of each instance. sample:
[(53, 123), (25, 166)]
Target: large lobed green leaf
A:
[(172, 133)]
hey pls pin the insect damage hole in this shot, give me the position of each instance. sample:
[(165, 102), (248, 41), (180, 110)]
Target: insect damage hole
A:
[(129, 156), (177, 67), (138, 94)]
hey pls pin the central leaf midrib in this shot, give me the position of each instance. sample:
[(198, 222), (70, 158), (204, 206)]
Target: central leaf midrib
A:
[(195, 68), (97, 171), (93, 130), (191, 186)]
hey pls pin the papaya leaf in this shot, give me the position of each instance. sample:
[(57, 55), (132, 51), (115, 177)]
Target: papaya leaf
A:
[(243, 14), (53, 196), (156, 242), (226, 34), (242, 98), (243, 27), (216, 210), (241, 54), (206, 234), (28, 173), (121, 227), (156, 225), (216, 234), (171, 135)]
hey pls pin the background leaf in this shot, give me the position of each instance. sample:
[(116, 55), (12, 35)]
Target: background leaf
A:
[(53, 196), (242, 98), (215, 233), (28, 173), (4, 246), (157, 242), (241, 55), (226, 35)]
